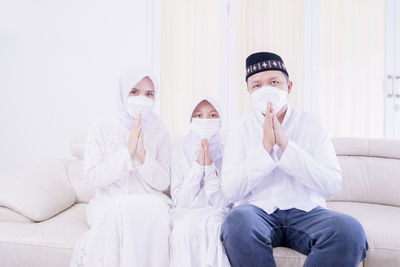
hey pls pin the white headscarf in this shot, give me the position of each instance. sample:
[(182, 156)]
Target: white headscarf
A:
[(128, 79), (192, 142)]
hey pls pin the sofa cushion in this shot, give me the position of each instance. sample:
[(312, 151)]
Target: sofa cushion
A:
[(38, 192), (47, 243), (381, 224), (75, 175), (9, 215), (286, 257)]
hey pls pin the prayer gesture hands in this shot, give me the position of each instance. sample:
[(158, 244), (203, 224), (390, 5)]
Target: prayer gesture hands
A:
[(136, 140), (273, 133), (204, 157)]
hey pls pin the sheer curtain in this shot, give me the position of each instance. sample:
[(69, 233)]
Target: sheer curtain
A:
[(275, 26), (352, 66), (190, 57), (350, 56), (191, 53)]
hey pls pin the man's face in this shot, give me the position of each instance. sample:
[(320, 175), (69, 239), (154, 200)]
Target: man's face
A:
[(274, 78)]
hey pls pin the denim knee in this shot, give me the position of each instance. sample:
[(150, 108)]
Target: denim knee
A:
[(237, 223), (350, 234)]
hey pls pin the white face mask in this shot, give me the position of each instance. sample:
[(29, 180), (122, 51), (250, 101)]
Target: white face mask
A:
[(205, 128), (261, 97), (139, 104)]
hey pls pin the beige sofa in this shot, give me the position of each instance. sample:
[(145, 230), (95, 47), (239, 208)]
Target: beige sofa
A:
[(42, 208)]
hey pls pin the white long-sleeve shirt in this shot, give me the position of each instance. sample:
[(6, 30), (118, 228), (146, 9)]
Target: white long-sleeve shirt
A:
[(194, 185), (128, 208), (110, 169), (302, 176)]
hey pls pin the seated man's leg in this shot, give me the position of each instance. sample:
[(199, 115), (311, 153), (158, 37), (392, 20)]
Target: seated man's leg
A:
[(249, 234), (329, 238)]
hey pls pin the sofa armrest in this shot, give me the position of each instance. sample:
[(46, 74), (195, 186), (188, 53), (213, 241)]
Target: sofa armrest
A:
[(38, 192)]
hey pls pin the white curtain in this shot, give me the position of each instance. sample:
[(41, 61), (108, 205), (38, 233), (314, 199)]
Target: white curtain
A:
[(350, 56), (352, 66), (190, 57), (275, 26)]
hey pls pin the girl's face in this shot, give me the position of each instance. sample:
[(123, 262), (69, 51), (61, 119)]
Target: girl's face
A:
[(204, 110), (144, 87)]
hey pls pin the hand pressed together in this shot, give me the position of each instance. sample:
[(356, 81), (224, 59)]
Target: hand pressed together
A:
[(272, 131), (204, 157), (136, 140)]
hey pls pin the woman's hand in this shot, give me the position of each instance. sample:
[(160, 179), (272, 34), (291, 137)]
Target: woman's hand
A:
[(134, 135), (140, 150)]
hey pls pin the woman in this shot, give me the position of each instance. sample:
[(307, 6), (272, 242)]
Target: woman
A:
[(127, 162), (196, 191)]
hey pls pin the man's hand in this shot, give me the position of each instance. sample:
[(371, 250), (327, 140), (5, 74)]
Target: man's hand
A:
[(134, 135), (268, 140), (207, 156), (280, 137)]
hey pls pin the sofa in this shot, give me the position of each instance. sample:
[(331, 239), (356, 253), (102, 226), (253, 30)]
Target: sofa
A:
[(42, 207)]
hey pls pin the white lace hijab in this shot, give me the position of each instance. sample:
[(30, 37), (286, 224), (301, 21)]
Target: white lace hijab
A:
[(128, 79)]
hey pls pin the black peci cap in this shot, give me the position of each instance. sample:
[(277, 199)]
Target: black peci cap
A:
[(263, 61)]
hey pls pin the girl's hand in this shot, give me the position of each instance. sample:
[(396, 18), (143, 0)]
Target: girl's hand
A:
[(207, 156), (200, 157)]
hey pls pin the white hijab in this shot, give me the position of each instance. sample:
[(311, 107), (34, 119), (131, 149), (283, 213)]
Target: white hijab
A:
[(128, 79), (192, 142)]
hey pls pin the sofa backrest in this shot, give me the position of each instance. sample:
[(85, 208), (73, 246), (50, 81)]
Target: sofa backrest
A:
[(371, 170)]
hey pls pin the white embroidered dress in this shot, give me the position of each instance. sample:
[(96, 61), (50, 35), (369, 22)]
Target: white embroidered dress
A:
[(129, 217), (200, 205)]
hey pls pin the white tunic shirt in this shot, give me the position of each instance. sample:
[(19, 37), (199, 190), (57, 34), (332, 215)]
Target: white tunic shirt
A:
[(303, 176), (110, 169), (193, 185), (129, 208), (200, 204)]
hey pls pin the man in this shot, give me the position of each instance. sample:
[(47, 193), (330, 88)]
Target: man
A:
[(279, 168)]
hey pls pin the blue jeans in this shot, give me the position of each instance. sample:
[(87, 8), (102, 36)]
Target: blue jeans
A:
[(329, 238)]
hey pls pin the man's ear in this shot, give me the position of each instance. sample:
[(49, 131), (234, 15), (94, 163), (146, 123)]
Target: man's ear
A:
[(290, 84)]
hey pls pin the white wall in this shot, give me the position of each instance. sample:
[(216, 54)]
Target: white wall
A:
[(59, 66)]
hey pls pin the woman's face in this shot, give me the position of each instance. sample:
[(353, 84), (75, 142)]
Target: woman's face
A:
[(204, 110), (144, 87)]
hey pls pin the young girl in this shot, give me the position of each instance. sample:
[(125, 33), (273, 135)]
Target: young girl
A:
[(127, 162), (196, 191)]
